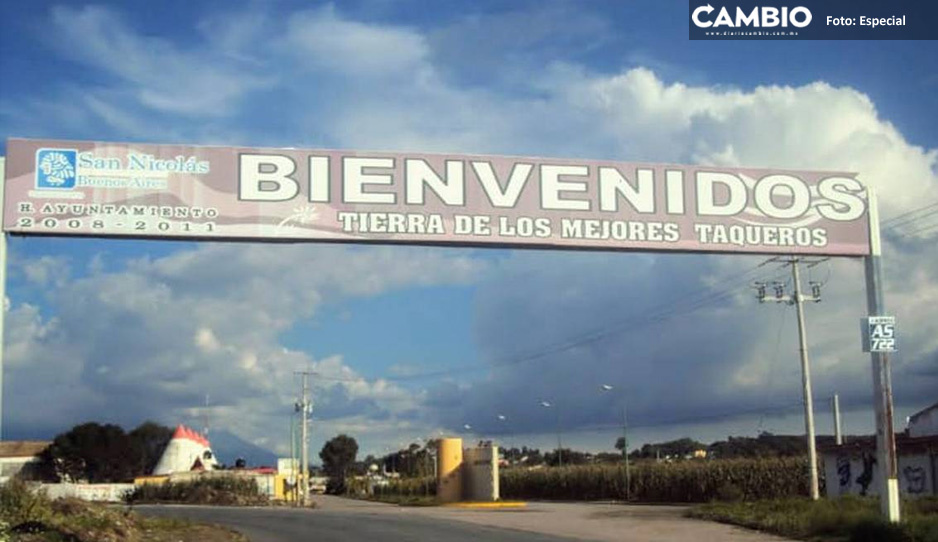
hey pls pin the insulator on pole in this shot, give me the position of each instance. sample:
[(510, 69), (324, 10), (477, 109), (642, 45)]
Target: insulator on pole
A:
[(816, 291), (760, 291), (779, 289)]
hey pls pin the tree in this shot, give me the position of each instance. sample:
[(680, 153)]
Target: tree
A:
[(99, 453), (149, 440), (90, 452), (766, 445), (566, 457), (674, 449), (337, 455)]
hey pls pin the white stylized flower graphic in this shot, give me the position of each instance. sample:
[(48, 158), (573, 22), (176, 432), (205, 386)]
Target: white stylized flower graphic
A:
[(301, 215), (57, 168)]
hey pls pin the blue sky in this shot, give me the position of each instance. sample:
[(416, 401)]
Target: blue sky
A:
[(127, 330)]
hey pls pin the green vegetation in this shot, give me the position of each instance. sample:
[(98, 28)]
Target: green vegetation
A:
[(684, 481), (405, 500), (673, 448), (405, 491), (30, 516), (848, 519), (99, 453), (215, 490), (338, 456)]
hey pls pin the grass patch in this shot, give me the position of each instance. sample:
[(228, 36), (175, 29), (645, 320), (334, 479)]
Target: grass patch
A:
[(404, 500), (27, 515), (847, 519)]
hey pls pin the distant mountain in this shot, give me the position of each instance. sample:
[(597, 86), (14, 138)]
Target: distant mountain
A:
[(228, 447)]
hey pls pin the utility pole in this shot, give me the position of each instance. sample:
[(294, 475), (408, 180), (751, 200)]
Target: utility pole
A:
[(797, 299), (838, 436), (305, 408), (294, 490)]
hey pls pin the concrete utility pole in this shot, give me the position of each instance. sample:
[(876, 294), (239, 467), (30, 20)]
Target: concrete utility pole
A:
[(294, 490), (882, 380), (797, 299), (305, 408), (838, 437)]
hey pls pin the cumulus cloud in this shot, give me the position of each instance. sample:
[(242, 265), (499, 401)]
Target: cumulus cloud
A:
[(724, 358), (155, 71), (153, 336)]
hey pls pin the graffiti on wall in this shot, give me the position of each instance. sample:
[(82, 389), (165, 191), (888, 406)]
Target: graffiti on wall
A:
[(856, 472), (914, 479)]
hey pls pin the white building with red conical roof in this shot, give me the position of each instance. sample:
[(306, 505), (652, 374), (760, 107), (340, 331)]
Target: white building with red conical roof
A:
[(187, 451)]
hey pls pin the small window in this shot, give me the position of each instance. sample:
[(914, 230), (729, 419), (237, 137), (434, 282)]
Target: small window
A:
[(207, 454)]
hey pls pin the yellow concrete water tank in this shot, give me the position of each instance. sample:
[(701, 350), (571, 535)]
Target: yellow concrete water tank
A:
[(449, 470)]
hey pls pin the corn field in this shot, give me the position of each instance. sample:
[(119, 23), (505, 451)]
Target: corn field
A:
[(686, 481)]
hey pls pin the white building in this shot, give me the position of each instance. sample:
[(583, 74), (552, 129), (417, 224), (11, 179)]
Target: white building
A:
[(188, 450), (20, 458), (924, 423)]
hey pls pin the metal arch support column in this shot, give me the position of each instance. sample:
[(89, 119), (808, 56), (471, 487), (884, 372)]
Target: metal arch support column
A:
[(3, 285), (882, 380)]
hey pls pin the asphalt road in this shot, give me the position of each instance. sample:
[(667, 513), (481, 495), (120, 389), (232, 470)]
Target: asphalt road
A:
[(290, 525), (345, 519)]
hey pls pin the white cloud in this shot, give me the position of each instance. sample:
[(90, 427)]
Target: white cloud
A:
[(323, 39), (45, 270), (155, 71), (155, 335)]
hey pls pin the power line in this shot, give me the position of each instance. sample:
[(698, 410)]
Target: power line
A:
[(907, 216), (913, 223), (774, 362), (686, 420), (698, 299), (926, 228)]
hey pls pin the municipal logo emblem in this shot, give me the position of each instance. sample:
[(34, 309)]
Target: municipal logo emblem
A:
[(56, 168)]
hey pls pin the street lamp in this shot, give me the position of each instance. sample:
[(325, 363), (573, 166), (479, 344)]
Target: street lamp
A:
[(504, 419), (625, 442), (547, 404)]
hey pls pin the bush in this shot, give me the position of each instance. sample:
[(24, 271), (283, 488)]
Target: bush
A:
[(336, 486), (393, 490), (20, 504), (216, 490)]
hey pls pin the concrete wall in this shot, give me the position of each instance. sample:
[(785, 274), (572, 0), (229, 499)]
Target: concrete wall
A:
[(88, 492), (853, 473), (480, 474)]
